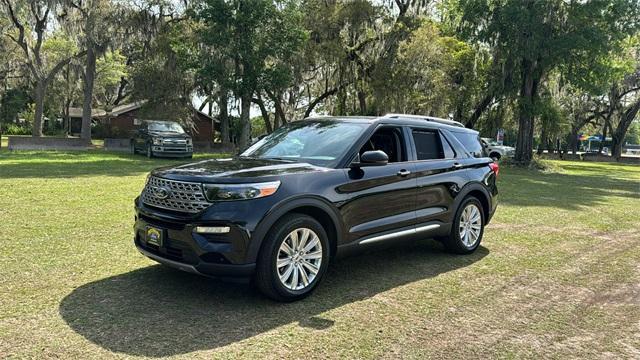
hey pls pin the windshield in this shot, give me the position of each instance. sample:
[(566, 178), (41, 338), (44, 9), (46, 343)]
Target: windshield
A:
[(165, 126), (321, 143)]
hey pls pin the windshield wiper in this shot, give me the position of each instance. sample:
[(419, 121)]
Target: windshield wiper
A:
[(279, 158)]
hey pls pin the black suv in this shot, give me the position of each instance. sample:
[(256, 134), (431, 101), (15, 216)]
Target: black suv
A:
[(162, 139), (315, 189)]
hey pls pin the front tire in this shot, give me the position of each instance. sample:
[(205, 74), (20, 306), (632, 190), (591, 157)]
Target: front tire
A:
[(495, 156), (149, 151), (293, 259), (468, 227), (132, 148)]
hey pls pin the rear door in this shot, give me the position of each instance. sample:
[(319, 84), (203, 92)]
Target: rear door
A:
[(381, 199), (440, 173)]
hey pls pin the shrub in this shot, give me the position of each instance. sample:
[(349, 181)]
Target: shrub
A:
[(16, 129)]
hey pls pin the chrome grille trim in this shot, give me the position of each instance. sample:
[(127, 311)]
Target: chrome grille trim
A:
[(174, 141), (183, 196)]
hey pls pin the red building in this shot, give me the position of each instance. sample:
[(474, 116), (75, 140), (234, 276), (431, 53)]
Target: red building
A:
[(123, 120)]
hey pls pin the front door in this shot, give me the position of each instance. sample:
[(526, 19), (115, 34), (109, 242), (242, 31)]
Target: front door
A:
[(380, 199)]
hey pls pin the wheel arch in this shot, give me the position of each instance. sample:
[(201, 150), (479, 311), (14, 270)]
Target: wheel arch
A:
[(478, 191), (320, 209)]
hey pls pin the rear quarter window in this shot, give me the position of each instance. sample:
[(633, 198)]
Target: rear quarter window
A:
[(471, 142)]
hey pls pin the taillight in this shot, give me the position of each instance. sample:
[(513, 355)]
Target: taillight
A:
[(495, 168)]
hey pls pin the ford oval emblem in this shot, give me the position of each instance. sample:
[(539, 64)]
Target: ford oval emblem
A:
[(161, 192)]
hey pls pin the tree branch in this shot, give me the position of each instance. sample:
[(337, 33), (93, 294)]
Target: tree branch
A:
[(62, 63)]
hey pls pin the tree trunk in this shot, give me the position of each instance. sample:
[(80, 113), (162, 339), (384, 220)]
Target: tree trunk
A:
[(362, 102), (244, 140), (66, 118), (281, 117), (528, 93), (544, 143), (265, 114), (621, 131), (604, 136), (478, 111), (41, 87), (573, 140), (223, 103), (89, 77)]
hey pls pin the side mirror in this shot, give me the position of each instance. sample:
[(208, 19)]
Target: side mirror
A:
[(372, 158)]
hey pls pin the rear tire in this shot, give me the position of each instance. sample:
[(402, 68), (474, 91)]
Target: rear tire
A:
[(288, 269), (467, 228)]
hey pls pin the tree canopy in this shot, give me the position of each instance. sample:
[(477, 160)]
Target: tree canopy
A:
[(544, 71)]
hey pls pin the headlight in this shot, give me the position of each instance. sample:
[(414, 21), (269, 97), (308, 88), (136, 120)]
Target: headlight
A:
[(157, 141), (225, 192)]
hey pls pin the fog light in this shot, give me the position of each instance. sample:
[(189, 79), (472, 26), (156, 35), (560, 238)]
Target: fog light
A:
[(212, 229)]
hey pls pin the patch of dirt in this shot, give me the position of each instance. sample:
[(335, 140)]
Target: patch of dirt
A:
[(623, 294)]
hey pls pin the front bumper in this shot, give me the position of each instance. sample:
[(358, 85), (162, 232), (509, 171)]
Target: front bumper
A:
[(219, 255), (172, 151)]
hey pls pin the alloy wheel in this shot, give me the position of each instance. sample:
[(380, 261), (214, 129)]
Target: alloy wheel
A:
[(299, 259), (470, 225)]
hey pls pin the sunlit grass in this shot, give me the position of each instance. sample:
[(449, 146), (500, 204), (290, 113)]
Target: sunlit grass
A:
[(557, 276)]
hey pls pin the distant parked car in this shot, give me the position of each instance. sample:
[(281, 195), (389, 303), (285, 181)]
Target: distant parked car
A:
[(495, 150), (632, 149), (162, 139)]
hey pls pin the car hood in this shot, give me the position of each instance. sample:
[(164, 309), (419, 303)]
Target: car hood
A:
[(166, 134), (235, 170)]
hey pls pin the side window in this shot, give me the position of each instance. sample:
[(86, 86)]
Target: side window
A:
[(428, 145), (471, 142), (389, 140), (449, 153)]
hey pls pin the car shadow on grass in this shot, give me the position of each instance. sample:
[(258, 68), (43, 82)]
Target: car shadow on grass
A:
[(157, 311)]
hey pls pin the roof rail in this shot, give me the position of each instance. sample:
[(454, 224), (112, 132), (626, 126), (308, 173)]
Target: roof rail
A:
[(426, 118)]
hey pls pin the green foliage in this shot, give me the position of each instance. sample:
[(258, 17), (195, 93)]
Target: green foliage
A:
[(16, 129), (633, 136), (257, 127), (252, 41), (110, 69), (13, 102), (28, 114), (58, 47), (461, 59), (164, 80)]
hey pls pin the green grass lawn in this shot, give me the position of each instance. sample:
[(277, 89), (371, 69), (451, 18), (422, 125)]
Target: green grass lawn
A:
[(558, 275), (4, 142)]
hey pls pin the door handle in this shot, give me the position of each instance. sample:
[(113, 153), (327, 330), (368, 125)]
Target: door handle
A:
[(456, 166), (404, 172)]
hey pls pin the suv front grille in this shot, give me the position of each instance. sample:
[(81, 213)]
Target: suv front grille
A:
[(174, 195)]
